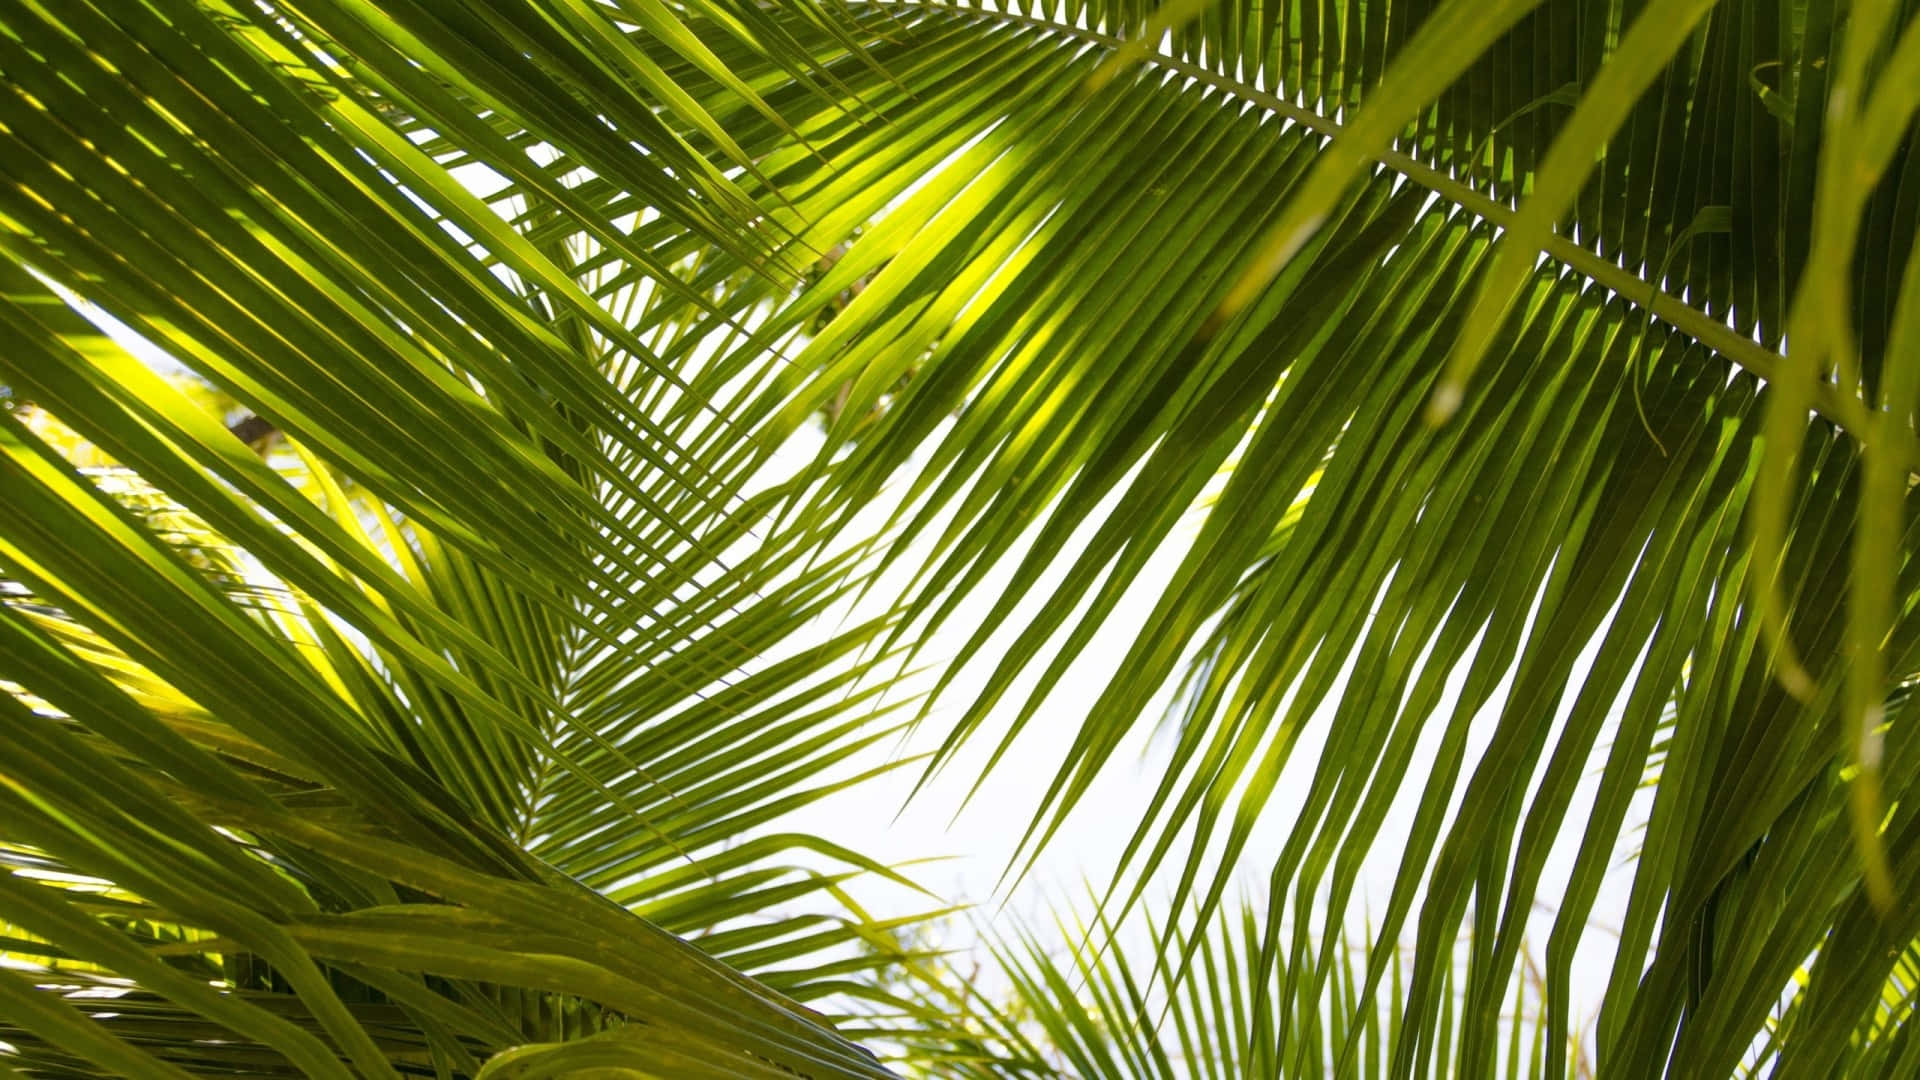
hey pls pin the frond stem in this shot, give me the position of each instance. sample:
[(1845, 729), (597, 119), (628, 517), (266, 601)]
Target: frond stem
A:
[(1845, 410)]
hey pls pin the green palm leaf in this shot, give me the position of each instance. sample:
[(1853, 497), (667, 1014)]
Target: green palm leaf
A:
[(1102, 1012), (498, 670), (483, 651), (1059, 277)]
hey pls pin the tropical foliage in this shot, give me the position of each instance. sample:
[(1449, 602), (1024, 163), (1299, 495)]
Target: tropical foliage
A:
[(443, 441)]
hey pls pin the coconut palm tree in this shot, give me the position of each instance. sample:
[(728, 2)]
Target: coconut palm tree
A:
[(1522, 390)]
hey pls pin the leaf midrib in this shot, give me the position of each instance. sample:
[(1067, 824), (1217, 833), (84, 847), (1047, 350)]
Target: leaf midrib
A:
[(1845, 410)]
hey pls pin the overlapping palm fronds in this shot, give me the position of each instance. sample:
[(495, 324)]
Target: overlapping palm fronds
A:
[(469, 728), (1080, 290), (1105, 1010), (1547, 364), (182, 834)]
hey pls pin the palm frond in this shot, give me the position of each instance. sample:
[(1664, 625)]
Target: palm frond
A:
[(1049, 290), (369, 776), (1106, 1010), (525, 287)]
